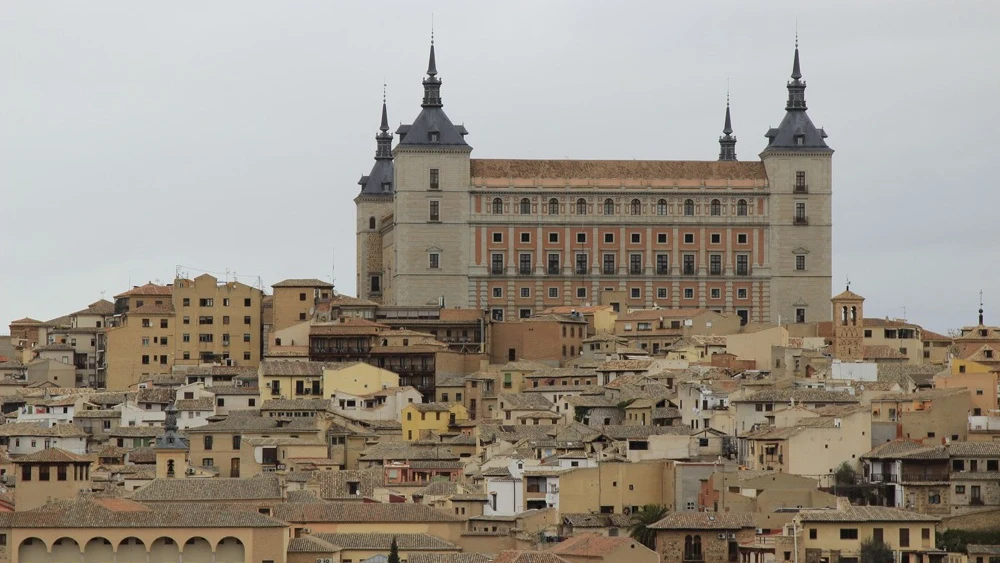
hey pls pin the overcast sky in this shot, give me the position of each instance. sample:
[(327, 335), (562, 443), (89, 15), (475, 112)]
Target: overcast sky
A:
[(136, 137)]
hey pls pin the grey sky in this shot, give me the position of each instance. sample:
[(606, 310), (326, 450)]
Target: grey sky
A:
[(230, 135)]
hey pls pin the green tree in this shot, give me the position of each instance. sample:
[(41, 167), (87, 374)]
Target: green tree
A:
[(647, 516), (393, 551), (846, 475), (876, 552)]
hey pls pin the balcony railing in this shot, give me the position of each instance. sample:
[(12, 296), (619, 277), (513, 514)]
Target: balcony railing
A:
[(524, 270), (496, 270), (916, 475), (635, 270), (609, 270), (553, 270), (800, 220), (801, 189)]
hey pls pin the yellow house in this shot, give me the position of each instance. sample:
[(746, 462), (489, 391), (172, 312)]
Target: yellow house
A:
[(292, 379), (828, 532), (419, 419), (959, 365)]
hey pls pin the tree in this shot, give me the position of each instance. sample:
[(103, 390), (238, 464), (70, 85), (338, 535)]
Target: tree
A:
[(393, 551), (647, 516), (873, 551), (845, 475)]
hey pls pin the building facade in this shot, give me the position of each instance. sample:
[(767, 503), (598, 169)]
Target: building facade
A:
[(435, 226)]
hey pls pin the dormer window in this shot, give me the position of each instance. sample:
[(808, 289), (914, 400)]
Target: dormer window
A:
[(386, 186), (433, 136), (800, 140)]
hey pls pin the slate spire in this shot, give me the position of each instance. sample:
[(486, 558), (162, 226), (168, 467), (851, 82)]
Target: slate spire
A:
[(727, 142), (383, 139), (432, 84), (797, 86)]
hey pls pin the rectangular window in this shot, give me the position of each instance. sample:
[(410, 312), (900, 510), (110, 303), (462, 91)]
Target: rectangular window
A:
[(741, 238), (203, 320), (688, 238), (497, 292), (525, 292), (434, 261), (145, 359), (661, 293), (246, 302), (524, 264), (688, 293), (435, 211), (715, 264), (206, 337), (553, 268), (716, 293), (524, 313), (43, 472), (800, 182), (636, 238), (163, 323), (206, 302), (800, 213), (246, 337), (741, 293), (581, 292), (553, 292), (662, 264), (689, 264), (186, 302), (635, 264), (225, 319), (800, 262), (496, 264), (376, 285), (525, 237), (904, 537), (581, 237), (742, 265), (609, 264), (661, 238), (61, 472), (635, 293), (800, 315), (553, 237), (497, 237), (848, 533), (812, 533), (581, 264), (716, 238), (609, 238), (435, 179), (208, 441), (878, 535)]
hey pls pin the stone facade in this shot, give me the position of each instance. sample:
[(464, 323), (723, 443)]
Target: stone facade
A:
[(509, 236)]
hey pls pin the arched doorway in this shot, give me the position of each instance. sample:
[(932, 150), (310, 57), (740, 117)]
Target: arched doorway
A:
[(164, 550), (197, 550), (32, 550), (131, 550), (65, 550), (98, 550), (230, 550)]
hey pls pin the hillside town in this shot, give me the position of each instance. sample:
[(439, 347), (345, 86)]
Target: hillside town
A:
[(651, 364)]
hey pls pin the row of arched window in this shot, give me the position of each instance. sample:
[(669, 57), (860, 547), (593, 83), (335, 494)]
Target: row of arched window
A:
[(715, 207)]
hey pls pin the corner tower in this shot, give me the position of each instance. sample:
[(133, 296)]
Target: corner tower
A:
[(431, 248), (798, 163), (373, 206)]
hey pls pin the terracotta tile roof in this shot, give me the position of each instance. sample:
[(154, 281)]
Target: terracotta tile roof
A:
[(605, 337), (373, 541), (847, 294), (295, 405), (306, 512), (147, 289), (512, 556), (303, 282), (122, 513), (337, 484), (662, 170), (705, 521), (451, 558), (155, 395), (523, 365), (583, 310), (258, 487), (592, 545), (310, 544), (655, 314), (52, 455), (431, 407), (866, 514), (293, 368), (625, 365), (11, 429), (799, 395), (593, 520), (142, 455), (252, 421), (26, 321), (135, 432), (924, 395), (233, 390), (930, 335), (971, 549), (101, 307), (524, 402)]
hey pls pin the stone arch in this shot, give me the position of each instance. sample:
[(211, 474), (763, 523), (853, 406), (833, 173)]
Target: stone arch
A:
[(197, 550), (131, 550), (230, 550), (164, 550), (98, 550), (65, 550), (32, 550)]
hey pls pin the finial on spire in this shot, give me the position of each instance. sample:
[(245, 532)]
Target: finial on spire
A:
[(431, 63), (432, 84), (848, 283), (796, 71), (980, 307), (384, 127), (727, 142)]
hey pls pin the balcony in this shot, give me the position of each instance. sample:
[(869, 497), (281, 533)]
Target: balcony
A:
[(524, 270), (883, 478), (800, 220), (609, 270), (581, 270), (800, 189), (688, 270), (553, 270), (635, 270), (497, 270), (742, 271), (662, 270), (918, 475)]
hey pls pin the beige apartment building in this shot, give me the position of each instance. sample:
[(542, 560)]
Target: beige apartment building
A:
[(750, 238), (184, 324)]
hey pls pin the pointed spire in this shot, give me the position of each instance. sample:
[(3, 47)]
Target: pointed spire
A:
[(432, 84), (727, 143), (383, 140), (796, 72), (797, 87)]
